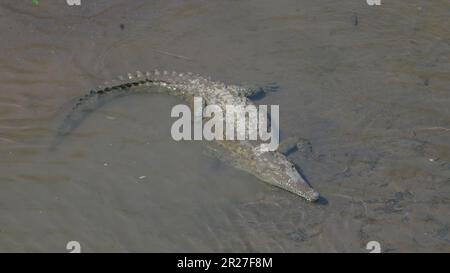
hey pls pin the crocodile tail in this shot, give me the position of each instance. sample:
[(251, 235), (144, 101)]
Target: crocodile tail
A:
[(178, 84), (132, 83)]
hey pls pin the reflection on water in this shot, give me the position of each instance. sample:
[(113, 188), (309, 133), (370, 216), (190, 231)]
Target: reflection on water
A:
[(368, 86)]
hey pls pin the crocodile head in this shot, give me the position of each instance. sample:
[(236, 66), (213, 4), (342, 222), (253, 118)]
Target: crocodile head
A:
[(275, 169)]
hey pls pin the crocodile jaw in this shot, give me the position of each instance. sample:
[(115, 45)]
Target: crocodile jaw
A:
[(304, 190)]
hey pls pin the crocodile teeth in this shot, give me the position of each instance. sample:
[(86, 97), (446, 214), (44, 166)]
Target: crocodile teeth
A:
[(156, 72), (130, 76), (165, 72), (121, 78), (139, 74), (147, 75)]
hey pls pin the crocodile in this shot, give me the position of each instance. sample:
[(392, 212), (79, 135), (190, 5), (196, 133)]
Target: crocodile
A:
[(272, 167)]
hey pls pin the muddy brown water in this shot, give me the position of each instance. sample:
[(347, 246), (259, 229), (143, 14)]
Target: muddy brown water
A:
[(368, 86)]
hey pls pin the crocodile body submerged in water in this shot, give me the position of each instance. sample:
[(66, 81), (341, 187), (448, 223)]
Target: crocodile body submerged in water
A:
[(272, 167)]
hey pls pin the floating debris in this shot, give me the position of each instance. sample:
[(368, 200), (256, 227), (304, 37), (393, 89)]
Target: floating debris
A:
[(355, 20)]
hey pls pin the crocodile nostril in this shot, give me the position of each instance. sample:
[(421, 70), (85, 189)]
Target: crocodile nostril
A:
[(314, 196)]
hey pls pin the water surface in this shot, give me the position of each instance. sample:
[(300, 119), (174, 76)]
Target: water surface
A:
[(368, 86)]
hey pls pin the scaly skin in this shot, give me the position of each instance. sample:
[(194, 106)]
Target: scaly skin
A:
[(271, 167)]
